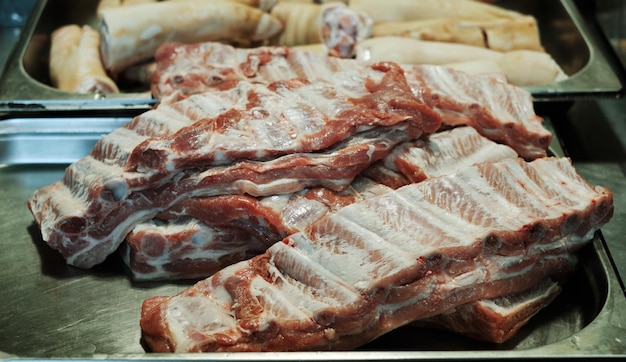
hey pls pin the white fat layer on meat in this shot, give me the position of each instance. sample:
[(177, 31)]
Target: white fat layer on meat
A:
[(203, 242), (302, 212), (520, 272), (206, 315), (418, 299), (368, 189), (470, 200), (70, 206), (457, 149), (435, 222), (289, 116), (356, 255), (275, 304), (564, 194), (511, 304), (277, 202), (91, 173), (320, 97), (299, 275), (568, 243), (204, 106), (118, 233), (370, 152), (486, 92), (501, 213), (345, 256), (119, 144), (285, 185), (562, 177)]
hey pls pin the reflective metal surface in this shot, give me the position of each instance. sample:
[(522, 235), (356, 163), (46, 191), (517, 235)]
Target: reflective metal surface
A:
[(25, 83), (52, 141)]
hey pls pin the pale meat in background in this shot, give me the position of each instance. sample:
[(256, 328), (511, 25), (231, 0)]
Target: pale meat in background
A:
[(264, 5), (132, 30), (404, 10), (498, 34), (520, 67), (130, 37), (334, 25), (75, 64)]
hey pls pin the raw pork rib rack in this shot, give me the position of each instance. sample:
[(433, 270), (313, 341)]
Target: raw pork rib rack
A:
[(251, 128), (200, 235), (487, 231), (166, 249), (253, 138), (495, 108)]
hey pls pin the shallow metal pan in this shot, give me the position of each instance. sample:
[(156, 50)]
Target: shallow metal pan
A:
[(53, 311), (25, 85)]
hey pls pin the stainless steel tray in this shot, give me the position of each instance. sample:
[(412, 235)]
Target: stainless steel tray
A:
[(53, 311), (25, 86)]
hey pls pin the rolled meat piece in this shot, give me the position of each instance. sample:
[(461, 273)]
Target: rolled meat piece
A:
[(527, 67), (106, 4), (412, 51), (265, 5), (316, 1), (404, 10), (332, 24), (521, 67), (498, 34), (318, 48), (515, 65), (75, 64), (131, 35)]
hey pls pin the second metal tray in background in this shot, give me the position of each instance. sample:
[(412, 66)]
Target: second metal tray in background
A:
[(25, 84), (54, 311)]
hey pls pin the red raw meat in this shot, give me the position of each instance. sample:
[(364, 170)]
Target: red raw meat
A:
[(272, 218), (487, 231), (284, 137), (498, 110), (173, 245), (434, 155), (496, 320), (86, 216), (185, 248), (255, 122)]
